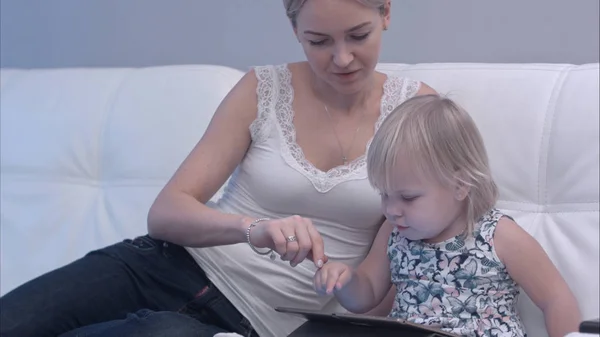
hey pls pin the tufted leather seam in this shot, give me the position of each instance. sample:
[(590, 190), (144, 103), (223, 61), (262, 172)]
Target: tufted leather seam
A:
[(572, 207), (533, 203), (102, 138), (549, 212), (546, 133), (545, 141), (467, 67), (61, 179)]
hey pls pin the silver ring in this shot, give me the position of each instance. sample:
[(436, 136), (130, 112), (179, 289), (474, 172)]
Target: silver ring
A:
[(291, 238)]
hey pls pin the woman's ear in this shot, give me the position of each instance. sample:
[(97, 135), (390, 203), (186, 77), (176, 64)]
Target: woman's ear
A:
[(387, 11)]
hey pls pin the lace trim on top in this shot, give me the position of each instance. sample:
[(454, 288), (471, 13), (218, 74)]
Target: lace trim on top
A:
[(275, 91), (259, 130)]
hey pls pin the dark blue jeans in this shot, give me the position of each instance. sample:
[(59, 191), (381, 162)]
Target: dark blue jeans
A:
[(142, 287)]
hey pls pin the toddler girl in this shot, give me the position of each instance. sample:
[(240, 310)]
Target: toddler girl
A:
[(456, 262)]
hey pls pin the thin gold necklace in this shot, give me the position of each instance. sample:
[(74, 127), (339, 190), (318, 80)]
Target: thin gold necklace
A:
[(344, 157)]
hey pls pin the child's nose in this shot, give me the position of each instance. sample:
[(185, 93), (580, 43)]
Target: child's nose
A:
[(392, 208), (395, 219)]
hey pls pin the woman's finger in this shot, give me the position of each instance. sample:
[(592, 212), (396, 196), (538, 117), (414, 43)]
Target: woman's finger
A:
[(317, 248), (304, 244), (279, 243), (289, 229), (310, 257)]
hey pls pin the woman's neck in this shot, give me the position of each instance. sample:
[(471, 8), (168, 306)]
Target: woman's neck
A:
[(344, 103)]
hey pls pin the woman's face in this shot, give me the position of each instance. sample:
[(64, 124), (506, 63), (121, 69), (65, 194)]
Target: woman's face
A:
[(341, 40)]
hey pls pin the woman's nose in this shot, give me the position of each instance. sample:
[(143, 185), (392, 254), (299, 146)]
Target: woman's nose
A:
[(342, 57)]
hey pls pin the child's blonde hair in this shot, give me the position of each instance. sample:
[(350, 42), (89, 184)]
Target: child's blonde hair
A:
[(443, 142)]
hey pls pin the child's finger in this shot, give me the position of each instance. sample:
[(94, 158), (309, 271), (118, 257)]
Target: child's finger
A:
[(317, 282), (344, 278), (325, 272), (332, 279)]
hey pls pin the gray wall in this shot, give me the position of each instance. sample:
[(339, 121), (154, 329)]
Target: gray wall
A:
[(240, 33)]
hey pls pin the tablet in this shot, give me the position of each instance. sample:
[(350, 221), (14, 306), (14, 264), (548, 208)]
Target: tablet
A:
[(590, 326), (373, 321)]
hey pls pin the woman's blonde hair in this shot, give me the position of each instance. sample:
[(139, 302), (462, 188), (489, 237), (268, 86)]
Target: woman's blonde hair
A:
[(442, 141), (292, 7)]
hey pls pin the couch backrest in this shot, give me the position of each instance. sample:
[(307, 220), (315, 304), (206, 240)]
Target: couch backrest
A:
[(540, 126), (85, 151)]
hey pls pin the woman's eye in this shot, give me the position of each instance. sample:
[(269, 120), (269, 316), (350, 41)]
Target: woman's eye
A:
[(317, 43), (360, 37)]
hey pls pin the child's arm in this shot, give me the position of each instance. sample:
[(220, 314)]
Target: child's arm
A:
[(527, 263), (384, 308), (364, 288)]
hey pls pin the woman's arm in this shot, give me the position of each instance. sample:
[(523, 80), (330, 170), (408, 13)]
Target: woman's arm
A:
[(179, 214), (528, 264)]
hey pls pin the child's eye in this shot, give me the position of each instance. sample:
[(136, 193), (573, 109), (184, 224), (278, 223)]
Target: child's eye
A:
[(409, 198), (360, 37)]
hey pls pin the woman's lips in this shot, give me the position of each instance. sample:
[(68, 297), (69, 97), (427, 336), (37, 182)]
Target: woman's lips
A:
[(349, 75)]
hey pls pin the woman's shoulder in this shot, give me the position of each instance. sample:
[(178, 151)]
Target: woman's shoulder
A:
[(274, 68), (425, 89), (268, 75), (412, 87)]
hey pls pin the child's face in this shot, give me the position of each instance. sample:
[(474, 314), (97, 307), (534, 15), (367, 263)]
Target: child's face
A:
[(424, 209)]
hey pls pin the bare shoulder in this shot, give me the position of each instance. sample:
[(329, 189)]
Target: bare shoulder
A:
[(244, 92), (300, 72), (240, 105), (425, 89), (511, 239), (223, 144), (507, 228)]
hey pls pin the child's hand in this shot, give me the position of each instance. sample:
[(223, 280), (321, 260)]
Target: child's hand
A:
[(332, 276)]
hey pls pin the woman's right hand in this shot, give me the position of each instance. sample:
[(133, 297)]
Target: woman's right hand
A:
[(294, 238)]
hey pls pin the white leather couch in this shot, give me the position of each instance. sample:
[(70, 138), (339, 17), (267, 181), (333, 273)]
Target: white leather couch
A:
[(85, 151)]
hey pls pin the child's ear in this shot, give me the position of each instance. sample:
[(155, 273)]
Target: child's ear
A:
[(461, 189)]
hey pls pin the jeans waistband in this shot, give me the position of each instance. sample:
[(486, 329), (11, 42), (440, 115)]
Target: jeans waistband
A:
[(209, 301)]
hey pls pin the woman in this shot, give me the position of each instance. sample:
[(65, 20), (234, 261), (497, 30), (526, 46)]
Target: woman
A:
[(295, 137)]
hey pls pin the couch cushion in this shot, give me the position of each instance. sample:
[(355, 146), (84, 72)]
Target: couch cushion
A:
[(85, 151)]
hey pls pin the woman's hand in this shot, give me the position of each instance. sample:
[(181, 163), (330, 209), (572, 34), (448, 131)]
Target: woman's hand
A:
[(294, 238), (333, 276)]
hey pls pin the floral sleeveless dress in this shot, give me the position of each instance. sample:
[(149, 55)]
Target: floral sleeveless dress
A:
[(459, 285)]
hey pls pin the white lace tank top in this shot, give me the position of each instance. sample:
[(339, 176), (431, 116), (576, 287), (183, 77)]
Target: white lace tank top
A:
[(275, 180)]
